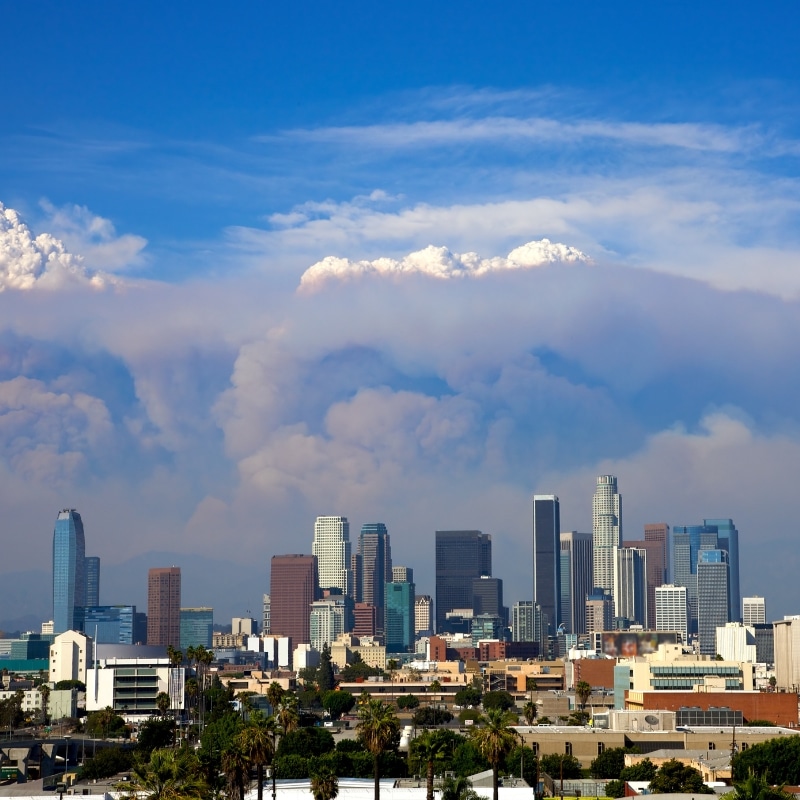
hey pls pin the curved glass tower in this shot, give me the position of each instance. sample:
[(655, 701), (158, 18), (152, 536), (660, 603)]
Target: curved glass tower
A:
[(69, 578)]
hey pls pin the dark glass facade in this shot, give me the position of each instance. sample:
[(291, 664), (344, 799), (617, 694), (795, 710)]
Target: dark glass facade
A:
[(461, 556), (69, 579), (547, 560)]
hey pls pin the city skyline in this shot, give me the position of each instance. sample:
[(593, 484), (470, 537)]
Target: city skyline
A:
[(309, 274)]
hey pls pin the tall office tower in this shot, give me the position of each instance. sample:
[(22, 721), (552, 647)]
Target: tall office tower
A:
[(713, 597), (293, 587), (630, 585), (399, 621), (326, 621), (656, 574), (754, 611), (576, 579), (659, 532), (728, 539), (547, 561), (92, 574), (606, 531), (460, 557), (164, 606), (402, 575), (672, 610), (376, 566), (266, 625), (687, 542), (522, 621), (487, 597), (786, 645), (765, 642), (197, 626), (331, 546), (599, 611), (110, 624), (423, 615), (357, 576), (69, 576), (365, 622)]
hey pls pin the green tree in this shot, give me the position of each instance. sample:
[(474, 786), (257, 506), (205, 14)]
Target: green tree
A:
[(644, 770), (106, 763), (324, 784), (558, 765), (162, 703), (468, 696), (502, 700), (358, 671), (275, 694), (306, 742), (776, 760), (458, 788), (522, 758), (676, 778), (429, 749), (235, 765), (609, 764), (257, 742), (167, 775), (105, 723), (467, 759), (155, 734), (377, 729), (338, 702), (430, 715), (583, 691), (325, 681), (529, 712), (494, 737), (44, 691), (615, 788), (756, 787), (408, 701)]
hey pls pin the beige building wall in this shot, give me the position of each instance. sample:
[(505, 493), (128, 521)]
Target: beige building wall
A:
[(787, 653), (71, 656)]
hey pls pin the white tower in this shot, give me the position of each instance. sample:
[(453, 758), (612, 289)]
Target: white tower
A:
[(331, 546), (606, 531)]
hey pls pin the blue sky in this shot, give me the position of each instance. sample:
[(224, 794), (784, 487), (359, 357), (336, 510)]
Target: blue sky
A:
[(265, 265)]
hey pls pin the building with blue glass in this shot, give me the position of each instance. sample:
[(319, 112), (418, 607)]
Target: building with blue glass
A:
[(92, 572), (69, 578), (110, 624), (399, 617), (197, 627)]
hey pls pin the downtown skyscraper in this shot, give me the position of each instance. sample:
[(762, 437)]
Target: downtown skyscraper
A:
[(606, 531), (576, 579), (69, 572), (461, 556), (164, 606), (375, 560), (331, 546), (547, 562)]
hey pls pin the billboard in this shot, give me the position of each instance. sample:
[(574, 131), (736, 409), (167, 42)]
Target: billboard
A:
[(621, 644)]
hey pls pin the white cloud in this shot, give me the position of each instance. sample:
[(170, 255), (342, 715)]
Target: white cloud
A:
[(94, 237), (441, 263), (28, 261)]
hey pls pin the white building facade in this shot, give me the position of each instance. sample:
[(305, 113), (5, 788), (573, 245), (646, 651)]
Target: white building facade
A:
[(672, 610), (331, 546), (606, 531), (71, 656)]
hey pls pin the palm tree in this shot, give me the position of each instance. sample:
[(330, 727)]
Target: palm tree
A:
[(458, 788), (257, 741), (163, 703), (235, 765), (192, 690), (495, 738), (324, 784), (583, 691), (756, 787), (288, 718), (274, 695), (167, 775), (430, 747), (44, 691), (377, 728), (529, 712)]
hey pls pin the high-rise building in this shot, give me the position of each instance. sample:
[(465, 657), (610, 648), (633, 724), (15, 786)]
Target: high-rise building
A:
[(522, 621), (606, 531), (110, 624), (787, 653), (630, 585), (728, 540), (164, 606), (326, 621), (713, 597), (293, 587), (376, 566), (266, 627), (487, 597), (197, 626), (659, 532), (672, 610), (402, 575), (656, 573), (576, 579), (331, 546), (765, 642), (423, 615), (687, 542), (547, 560), (69, 572), (92, 573), (460, 557), (599, 611), (754, 611), (365, 622), (736, 642), (399, 617)]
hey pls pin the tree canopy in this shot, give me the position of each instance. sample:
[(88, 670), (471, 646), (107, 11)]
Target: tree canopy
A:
[(777, 760), (676, 778)]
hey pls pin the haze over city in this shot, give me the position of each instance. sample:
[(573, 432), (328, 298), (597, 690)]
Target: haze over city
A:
[(404, 264)]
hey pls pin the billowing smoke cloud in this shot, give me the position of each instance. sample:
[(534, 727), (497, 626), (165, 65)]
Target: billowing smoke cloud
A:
[(28, 261), (441, 263)]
